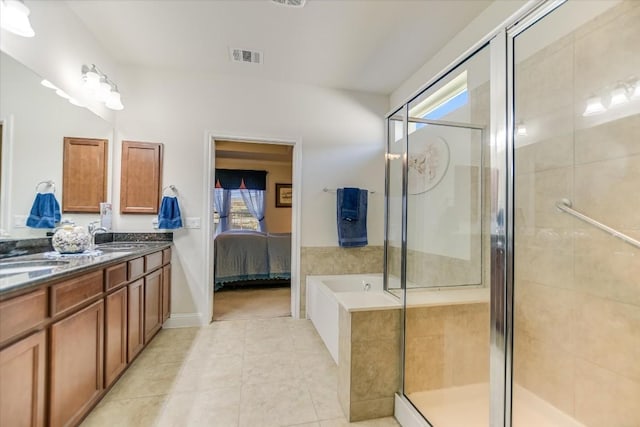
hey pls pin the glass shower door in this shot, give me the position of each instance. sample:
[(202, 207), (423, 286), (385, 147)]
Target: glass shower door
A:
[(576, 358), (446, 335)]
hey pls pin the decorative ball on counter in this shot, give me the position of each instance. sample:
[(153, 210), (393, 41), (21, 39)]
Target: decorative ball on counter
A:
[(71, 240)]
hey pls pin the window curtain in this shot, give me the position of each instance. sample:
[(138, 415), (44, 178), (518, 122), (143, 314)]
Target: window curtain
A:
[(222, 201), (254, 200)]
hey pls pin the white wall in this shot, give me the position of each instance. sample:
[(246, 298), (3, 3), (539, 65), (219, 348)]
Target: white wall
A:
[(341, 133)]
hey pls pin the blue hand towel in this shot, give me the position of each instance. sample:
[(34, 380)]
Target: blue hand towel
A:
[(45, 211), (169, 216), (350, 201), (353, 233)]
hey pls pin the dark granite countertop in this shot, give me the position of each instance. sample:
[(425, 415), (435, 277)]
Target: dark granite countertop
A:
[(18, 283)]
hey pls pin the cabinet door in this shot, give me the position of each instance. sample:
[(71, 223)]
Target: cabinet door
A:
[(135, 318), (115, 343), (22, 384), (77, 368), (141, 173), (152, 304), (166, 292), (84, 175)]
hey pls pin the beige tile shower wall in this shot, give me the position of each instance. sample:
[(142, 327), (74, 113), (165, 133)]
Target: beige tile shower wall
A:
[(336, 260), (577, 297), (446, 346)]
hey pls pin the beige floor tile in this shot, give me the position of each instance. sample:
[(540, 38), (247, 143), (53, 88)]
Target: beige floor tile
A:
[(155, 381), (218, 407), (325, 400), (342, 422), (140, 412), (276, 404), (270, 344), (207, 347), (206, 374), (270, 368)]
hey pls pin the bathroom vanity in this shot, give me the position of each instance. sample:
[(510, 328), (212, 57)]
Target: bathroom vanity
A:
[(68, 330)]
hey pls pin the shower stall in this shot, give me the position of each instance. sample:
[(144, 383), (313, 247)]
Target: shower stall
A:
[(513, 226)]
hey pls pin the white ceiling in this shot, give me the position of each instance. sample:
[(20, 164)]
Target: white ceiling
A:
[(366, 45)]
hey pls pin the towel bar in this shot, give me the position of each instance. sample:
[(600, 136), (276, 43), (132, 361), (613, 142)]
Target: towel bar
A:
[(333, 190), (48, 183)]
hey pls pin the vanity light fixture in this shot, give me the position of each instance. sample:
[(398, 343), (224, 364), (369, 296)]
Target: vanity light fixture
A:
[(594, 106), (98, 85), (14, 17), (619, 95)]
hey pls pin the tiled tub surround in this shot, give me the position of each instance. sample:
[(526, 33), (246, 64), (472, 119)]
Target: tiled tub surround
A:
[(336, 260), (368, 362), (577, 295)]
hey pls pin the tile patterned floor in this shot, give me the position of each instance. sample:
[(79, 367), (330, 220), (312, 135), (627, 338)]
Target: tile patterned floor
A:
[(242, 373)]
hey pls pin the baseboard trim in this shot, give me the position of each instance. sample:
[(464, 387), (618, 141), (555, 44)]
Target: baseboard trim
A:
[(406, 414), (184, 320)]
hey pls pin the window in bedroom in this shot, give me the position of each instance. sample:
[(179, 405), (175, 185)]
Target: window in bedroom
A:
[(241, 218)]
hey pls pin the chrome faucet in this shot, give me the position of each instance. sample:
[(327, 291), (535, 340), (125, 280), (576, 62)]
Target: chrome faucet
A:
[(93, 230)]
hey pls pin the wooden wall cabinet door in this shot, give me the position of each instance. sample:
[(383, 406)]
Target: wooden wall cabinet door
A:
[(152, 304), (115, 343), (84, 176), (135, 319), (166, 292), (77, 364), (22, 382), (140, 181)]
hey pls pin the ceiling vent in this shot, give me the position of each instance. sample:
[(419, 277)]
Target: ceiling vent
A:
[(248, 56), (292, 3)]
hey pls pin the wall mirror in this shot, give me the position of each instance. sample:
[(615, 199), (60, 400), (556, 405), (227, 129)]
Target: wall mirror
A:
[(35, 121)]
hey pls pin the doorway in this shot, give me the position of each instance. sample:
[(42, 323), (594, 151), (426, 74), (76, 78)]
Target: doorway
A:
[(252, 237)]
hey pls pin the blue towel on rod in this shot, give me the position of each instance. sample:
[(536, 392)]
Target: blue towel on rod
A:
[(352, 233), (169, 216), (45, 211), (350, 201)]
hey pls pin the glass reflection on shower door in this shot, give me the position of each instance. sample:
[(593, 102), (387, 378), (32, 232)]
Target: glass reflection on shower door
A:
[(446, 353), (576, 357), (396, 145)]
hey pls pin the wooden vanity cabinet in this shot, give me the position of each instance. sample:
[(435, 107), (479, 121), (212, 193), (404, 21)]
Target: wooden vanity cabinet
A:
[(65, 343), (22, 384), (115, 339), (141, 173), (152, 304), (135, 318), (76, 366)]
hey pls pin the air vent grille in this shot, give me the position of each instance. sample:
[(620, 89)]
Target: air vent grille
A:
[(292, 3), (246, 56)]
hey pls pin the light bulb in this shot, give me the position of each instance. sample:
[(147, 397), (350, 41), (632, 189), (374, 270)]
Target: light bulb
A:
[(114, 101), (91, 80), (618, 96), (62, 93), (14, 17), (75, 102), (47, 83), (104, 90), (594, 106), (521, 129), (636, 90)]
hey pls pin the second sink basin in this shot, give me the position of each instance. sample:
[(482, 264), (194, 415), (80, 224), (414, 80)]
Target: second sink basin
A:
[(9, 268)]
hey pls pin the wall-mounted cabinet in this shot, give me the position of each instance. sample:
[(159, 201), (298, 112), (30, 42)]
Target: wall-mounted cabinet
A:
[(140, 181), (84, 174)]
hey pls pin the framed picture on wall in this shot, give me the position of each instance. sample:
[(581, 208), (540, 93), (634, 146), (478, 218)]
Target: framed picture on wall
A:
[(284, 195)]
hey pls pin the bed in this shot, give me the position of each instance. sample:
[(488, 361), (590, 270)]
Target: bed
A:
[(244, 256)]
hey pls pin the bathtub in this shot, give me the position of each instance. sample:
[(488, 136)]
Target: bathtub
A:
[(325, 295)]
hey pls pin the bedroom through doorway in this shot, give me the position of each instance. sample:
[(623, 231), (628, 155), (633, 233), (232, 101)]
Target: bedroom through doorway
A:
[(252, 219)]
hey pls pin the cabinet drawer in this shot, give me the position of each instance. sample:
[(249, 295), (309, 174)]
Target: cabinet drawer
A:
[(74, 292), (22, 313), (153, 261), (115, 275), (166, 256), (135, 268)]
